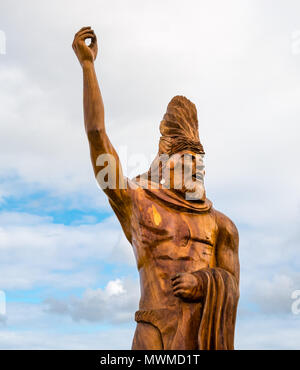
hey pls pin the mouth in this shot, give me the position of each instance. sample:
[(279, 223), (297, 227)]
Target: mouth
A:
[(197, 177)]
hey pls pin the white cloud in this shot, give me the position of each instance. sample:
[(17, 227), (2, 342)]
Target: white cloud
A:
[(114, 287), (36, 252), (232, 59), (116, 303), (245, 87), (101, 340), (264, 332), (275, 296)]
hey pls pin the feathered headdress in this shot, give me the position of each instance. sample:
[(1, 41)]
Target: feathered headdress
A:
[(179, 128)]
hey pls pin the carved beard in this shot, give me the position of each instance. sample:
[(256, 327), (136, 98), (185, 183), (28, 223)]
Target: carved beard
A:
[(195, 191), (192, 188)]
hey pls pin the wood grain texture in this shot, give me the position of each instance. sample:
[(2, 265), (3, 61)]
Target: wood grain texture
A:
[(186, 251)]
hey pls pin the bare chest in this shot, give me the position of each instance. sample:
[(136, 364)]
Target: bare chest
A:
[(163, 235)]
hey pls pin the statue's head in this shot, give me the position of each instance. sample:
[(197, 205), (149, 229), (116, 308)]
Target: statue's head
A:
[(179, 163), (179, 128)]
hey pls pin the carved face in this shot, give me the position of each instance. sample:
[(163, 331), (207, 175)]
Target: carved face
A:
[(184, 172)]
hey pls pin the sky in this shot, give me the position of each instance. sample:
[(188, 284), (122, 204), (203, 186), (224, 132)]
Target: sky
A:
[(68, 274)]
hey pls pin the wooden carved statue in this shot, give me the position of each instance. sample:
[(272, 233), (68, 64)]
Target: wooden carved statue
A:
[(186, 251)]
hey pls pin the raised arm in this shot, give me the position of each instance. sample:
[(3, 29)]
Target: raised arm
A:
[(105, 161)]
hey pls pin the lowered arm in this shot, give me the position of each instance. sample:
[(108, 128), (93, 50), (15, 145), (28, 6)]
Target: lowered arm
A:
[(227, 246)]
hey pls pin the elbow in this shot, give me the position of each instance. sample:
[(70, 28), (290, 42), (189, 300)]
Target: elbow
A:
[(95, 135)]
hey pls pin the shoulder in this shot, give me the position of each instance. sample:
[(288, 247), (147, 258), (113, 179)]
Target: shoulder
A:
[(226, 228)]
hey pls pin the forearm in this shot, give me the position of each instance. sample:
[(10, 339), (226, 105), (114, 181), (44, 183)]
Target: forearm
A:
[(92, 100), (94, 115)]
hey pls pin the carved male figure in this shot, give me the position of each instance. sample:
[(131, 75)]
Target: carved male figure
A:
[(186, 251)]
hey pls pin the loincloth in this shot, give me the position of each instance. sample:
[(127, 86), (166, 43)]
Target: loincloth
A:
[(164, 319), (178, 328)]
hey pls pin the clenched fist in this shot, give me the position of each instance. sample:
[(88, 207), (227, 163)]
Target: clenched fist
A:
[(186, 286), (84, 52)]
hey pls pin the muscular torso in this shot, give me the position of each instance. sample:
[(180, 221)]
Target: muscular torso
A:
[(165, 242)]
